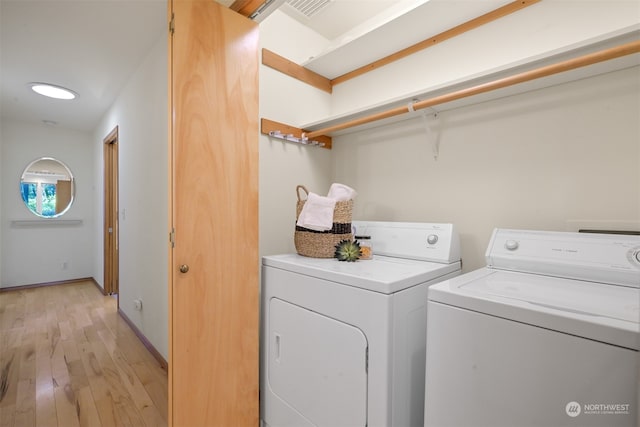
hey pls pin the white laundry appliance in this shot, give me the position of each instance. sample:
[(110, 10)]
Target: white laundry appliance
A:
[(343, 343), (546, 335)]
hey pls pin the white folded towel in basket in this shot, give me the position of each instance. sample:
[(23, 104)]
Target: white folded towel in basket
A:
[(341, 192), (317, 213)]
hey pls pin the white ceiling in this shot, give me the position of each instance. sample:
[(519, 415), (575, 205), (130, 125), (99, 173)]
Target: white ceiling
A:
[(93, 46), (89, 46)]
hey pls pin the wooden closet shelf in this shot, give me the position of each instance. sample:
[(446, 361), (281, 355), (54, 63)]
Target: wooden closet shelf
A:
[(609, 53)]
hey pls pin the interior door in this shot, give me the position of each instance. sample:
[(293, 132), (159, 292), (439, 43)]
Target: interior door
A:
[(111, 258), (213, 362)]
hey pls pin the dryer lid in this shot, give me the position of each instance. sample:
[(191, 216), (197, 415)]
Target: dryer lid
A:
[(380, 274), (591, 310)]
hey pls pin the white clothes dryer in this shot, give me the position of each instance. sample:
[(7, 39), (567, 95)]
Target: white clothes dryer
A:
[(546, 335), (343, 343)]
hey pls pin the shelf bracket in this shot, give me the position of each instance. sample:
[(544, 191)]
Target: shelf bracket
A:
[(432, 137)]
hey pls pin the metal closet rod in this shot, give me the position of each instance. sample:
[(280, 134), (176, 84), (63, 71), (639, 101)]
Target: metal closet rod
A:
[(570, 64)]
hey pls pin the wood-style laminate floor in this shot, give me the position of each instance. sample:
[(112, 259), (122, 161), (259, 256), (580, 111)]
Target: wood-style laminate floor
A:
[(68, 359)]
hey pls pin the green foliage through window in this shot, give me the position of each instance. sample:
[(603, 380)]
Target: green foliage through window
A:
[(29, 192)]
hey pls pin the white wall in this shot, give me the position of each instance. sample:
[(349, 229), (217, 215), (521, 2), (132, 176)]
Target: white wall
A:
[(140, 112), (283, 165), (32, 255), (1, 198), (550, 159)]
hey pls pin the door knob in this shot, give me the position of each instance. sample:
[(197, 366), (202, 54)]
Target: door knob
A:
[(184, 268)]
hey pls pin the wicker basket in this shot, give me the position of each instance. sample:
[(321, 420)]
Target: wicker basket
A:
[(321, 244)]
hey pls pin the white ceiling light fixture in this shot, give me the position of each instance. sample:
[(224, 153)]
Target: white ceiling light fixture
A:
[(53, 91)]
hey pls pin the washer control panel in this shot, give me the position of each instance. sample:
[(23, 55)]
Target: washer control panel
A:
[(606, 258), (511, 245), (634, 255)]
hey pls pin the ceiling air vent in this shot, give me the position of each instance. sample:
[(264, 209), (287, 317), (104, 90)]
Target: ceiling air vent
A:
[(308, 8)]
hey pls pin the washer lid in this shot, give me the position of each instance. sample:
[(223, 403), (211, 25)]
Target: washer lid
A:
[(380, 274), (602, 312)]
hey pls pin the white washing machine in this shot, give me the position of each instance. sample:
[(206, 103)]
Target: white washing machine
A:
[(547, 334), (343, 343)]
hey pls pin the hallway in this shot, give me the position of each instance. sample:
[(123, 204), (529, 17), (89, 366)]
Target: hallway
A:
[(68, 359)]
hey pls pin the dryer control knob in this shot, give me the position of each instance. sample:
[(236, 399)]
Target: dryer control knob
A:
[(638, 255), (432, 239), (511, 245)]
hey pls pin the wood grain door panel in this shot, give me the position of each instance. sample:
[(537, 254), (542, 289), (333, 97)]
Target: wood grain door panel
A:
[(214, 306)]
